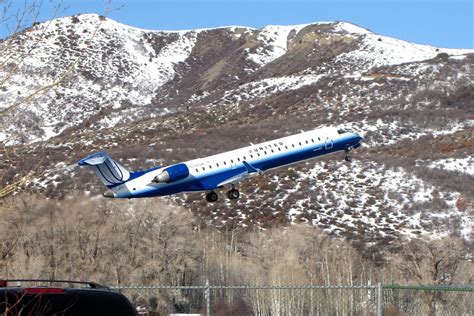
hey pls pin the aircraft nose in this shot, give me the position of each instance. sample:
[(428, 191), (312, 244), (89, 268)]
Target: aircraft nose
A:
[(108, 194)]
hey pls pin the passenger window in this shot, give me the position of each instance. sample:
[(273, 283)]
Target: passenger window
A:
[(307, 142), (258, 154), (319, 138), (293, 145), (210, 167), (300, 143), (251, 156), (265, 152), (286, 147), (217, 164), (312, 140), (232, 161), (238, 159), (272, 151), (197, 170), (203, 168), (279, 149), (225, 163), (245, 158)]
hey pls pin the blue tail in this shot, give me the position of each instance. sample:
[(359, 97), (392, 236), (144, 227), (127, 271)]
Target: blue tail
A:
[(109, 171)]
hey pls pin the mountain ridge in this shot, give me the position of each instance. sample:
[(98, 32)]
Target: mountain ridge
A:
[(152, 65)]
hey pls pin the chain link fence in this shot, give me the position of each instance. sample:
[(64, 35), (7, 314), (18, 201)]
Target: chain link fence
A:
[(301, 300), (428, 300)]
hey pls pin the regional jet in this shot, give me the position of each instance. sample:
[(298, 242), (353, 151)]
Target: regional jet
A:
[(222, 170)]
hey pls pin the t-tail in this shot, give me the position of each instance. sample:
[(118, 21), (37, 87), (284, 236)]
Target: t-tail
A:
[(108, 170)]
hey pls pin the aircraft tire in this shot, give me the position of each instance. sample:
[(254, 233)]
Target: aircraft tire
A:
[(212, 196), (233, 194)]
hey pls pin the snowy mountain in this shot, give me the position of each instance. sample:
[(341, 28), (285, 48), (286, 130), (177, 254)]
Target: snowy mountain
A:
[(79, 84)]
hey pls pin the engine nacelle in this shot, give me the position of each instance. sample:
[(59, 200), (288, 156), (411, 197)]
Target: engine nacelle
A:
[(172, 174)]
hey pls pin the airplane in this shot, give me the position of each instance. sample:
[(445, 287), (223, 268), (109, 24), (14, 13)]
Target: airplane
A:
[(218, 171)]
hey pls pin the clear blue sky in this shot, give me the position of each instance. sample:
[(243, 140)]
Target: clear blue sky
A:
[(442, 23)]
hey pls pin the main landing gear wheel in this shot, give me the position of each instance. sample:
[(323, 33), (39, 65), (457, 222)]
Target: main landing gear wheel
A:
[(212, 196), (233, 194), (348, 155)]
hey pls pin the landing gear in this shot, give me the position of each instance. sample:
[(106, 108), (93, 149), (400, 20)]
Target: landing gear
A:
[(233, 194), (212, 196), (348, 155)]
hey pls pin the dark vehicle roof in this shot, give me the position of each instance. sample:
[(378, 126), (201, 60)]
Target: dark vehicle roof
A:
[(64, 301)]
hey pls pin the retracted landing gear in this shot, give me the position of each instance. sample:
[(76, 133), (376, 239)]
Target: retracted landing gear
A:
[(348, 156), (212, 196)]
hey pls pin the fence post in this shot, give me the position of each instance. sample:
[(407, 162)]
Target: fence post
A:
[(208, 299), (378, 312)]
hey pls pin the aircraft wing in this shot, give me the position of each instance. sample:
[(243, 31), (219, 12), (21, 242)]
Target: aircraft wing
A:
[(249, 171)]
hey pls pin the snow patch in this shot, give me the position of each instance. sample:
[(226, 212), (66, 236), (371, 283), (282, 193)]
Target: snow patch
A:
[(273, 39), (377, 50), (463, 165)]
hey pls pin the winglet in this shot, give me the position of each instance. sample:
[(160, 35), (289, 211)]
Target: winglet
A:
[(250, 168)]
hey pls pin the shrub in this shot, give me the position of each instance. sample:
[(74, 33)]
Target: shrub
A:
[(442, 56)]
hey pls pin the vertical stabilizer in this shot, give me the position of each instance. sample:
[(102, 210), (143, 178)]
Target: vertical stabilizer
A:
[(108, 170)]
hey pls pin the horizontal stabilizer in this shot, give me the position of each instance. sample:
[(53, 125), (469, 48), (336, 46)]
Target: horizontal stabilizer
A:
[(94, 159)]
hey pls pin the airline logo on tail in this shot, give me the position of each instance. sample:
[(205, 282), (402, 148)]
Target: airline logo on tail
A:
[(109, 171)]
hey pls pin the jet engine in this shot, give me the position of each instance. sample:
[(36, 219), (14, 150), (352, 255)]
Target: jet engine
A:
[(171, 174)]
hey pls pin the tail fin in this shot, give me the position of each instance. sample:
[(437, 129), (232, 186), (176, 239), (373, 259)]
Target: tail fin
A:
[(109, 171)]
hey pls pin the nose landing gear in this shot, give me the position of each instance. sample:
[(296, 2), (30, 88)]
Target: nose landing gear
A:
[(348, 156)]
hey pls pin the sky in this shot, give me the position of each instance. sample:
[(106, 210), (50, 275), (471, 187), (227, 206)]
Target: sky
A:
[(440, 23)]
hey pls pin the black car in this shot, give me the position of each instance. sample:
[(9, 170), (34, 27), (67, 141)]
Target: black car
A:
[(46, 297)]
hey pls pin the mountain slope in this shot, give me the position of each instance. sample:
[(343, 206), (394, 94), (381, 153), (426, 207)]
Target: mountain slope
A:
[(158, 97)]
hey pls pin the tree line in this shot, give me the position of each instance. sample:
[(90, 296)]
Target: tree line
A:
[(153, 242)]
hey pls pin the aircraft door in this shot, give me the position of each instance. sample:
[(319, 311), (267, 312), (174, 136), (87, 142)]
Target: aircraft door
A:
[(328, 143)]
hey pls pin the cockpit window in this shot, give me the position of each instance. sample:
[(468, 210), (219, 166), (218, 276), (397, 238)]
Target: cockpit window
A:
[(342, 131)]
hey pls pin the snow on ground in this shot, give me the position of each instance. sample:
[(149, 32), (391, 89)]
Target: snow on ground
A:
[(463, 165), (133, 68), (268, 86), (273, 39), (350, 28), (384, 199), (377, 50), (385, 133)]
